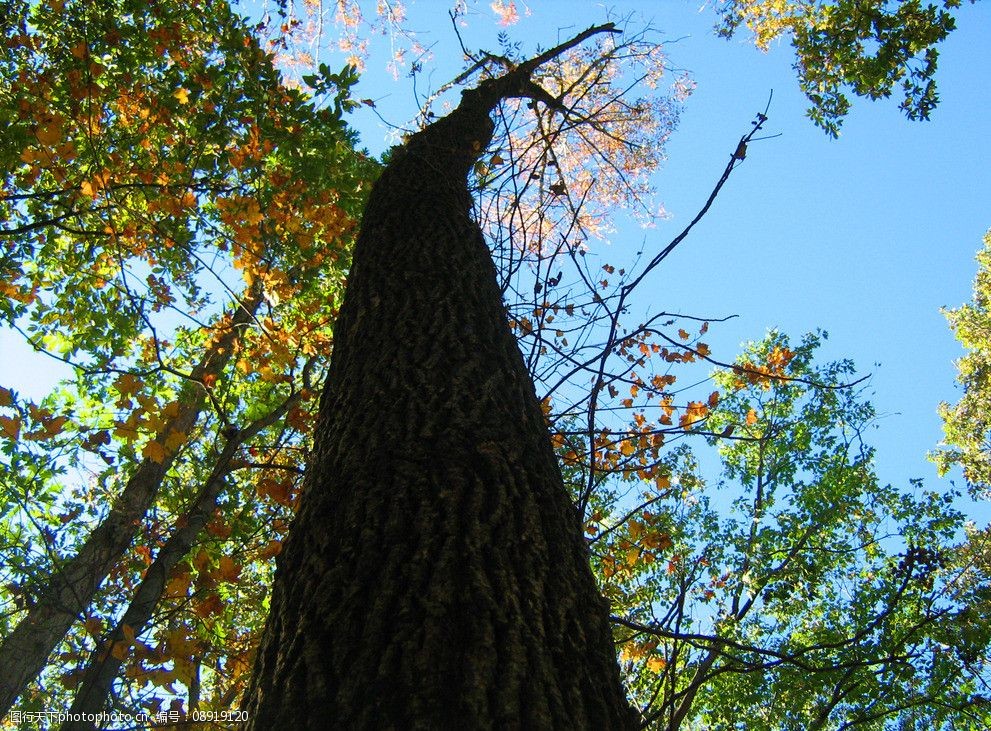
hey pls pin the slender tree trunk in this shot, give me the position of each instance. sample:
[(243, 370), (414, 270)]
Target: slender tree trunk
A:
[(103, 667), (71, 586), (436, 576)]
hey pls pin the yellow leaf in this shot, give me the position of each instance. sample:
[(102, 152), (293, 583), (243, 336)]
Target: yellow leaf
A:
[(154, 451), (125, 431), (636, 529), (127, 383), (128, 632), (175, 440), (182, 95), (253, 213), (659, 541), (656, 664), (49, 129), (120, 651)]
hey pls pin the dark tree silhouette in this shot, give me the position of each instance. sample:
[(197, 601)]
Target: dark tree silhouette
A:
[(436, 575)]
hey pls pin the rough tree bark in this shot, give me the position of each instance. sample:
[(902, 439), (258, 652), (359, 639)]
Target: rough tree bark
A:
[(435, 576)]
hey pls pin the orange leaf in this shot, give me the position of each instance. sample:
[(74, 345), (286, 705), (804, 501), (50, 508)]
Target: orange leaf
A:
[(211, 605), (751, 417), (175, 440), (49, 132), (201, 559), (11, 427), (695, 411), (94, 626), (218, 528), (230, 570), (178, 585), (272, 548), (54, 426)]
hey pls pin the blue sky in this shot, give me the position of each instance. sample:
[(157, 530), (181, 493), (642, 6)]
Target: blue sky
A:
[(866, 236)]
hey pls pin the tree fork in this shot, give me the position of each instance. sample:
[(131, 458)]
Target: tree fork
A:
[(435, 575)]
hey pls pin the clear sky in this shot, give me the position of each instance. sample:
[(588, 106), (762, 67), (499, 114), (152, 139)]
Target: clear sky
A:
[(866, 236)]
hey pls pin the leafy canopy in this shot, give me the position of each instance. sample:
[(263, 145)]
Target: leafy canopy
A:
[(967, 424)]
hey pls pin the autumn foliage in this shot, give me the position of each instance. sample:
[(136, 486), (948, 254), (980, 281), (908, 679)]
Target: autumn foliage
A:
[(177, 223)]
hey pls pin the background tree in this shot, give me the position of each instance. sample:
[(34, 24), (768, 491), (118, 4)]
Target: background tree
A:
[(868, 48), (797, 584), (967, 427), (967, 424), (142, 143)]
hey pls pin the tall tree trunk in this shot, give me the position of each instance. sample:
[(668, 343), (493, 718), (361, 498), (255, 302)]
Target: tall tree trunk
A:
[(436, 576)]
